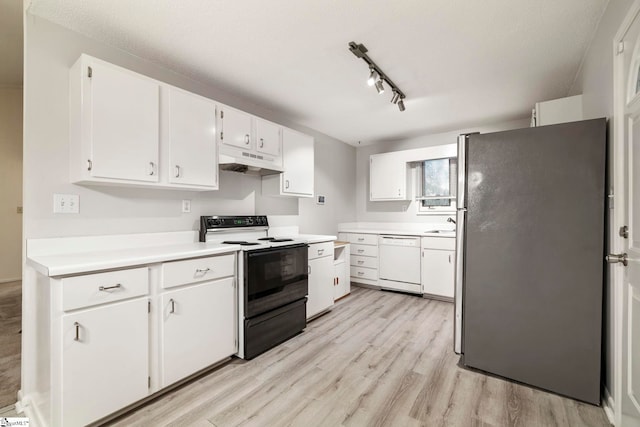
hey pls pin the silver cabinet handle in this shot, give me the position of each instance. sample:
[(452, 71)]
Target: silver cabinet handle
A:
[(247, 139), (89, 165), (320, 251), (203, 270), (360, 273), (360, 239), (308, 269), (449, 258), (617, 258), (77, 326), (398, 191), (153, 168), (360, 262), (360, 251), (286, 183), (261, 142), (108, 288), (177, 171), (173, 306)]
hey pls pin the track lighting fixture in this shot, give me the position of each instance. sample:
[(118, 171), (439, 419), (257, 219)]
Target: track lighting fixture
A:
[(376, 76)]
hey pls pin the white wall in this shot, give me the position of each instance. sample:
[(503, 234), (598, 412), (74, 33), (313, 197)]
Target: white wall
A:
[(10, 183), (406, 211), (595, 82), (50, 50)]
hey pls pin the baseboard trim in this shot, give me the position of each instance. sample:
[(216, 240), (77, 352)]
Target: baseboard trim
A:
[(608, 406), (16, 279)]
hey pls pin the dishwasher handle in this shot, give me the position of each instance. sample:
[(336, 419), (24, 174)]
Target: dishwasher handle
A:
[(399, 241)]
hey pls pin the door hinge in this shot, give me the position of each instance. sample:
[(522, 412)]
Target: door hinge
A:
[(89, 72), (624, 232), (149, 306), (149, 381), (620, 47)]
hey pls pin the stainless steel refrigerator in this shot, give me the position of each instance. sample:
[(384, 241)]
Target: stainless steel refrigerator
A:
[(530, 253)]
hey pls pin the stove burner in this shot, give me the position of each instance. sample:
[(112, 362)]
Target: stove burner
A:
[(240, 242)]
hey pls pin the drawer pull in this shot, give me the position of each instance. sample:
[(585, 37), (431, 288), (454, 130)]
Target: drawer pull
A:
[(203, 270), (360, 239), (108, 288), (360, 273), (320, 251), (173, 306), (77, 326), (360, 251), (360, 262)]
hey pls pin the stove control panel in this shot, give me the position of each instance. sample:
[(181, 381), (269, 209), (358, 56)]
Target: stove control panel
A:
[(217, 222)]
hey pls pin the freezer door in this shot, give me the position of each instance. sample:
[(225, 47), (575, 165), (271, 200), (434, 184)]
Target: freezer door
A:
[(534, 245)]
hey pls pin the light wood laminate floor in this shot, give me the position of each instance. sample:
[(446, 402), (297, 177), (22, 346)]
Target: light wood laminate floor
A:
[(378, 359), (10, 341)]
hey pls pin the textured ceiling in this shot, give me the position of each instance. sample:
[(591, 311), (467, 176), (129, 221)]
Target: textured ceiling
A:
[(11, 42), (460, 62)]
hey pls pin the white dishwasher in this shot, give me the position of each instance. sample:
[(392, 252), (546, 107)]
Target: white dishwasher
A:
[(399, 263)]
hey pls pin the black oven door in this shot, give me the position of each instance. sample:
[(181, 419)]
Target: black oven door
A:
[(274, 277)]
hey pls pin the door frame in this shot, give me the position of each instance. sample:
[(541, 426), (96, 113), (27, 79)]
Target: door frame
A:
[(613, 407)]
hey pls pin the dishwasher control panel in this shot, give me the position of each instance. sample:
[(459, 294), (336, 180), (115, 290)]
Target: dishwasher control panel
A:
[(410, 241)]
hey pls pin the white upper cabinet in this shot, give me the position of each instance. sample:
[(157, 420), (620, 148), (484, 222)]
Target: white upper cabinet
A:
[(117, 121), (235, 127), (192, 139), (388, 177), (298, 164), (267, 138)]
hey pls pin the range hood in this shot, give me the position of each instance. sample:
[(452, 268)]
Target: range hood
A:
[(248, 163)]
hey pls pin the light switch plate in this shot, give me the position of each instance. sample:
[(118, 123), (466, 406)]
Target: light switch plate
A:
[(66, 203), (186, 206)]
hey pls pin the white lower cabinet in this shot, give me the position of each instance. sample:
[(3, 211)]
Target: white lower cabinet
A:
[(438, 266), (105, 361), (321, 275), (198, 328)]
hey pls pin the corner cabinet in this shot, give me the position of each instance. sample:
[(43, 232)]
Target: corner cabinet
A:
[(127, 129), (388, 177), (114, 128), (297, 180)]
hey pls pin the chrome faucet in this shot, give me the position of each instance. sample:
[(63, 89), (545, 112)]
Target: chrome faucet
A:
[(451, 220)]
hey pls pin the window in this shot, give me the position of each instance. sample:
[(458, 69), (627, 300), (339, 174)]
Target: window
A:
[(437, 189)]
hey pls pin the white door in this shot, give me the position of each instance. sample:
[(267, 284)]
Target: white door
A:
[(626, 169), (387, 177), (438, 272), (320, 285), (105, 360), (267, 138), (235, 128), (192, 122), (342, 285), (298, 163), (198, 328), (124, 123)]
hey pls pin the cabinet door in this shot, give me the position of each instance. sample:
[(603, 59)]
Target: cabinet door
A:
[(298, 163), (192, 122), (387, 177), (198, 328), (320, 285), (342, 286), (438, 272), (123, 121), (105, 360), (267, 138), (235, 128)]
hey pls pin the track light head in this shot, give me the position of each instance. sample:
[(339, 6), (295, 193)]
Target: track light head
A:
[(401, 104), (395, 97), (373, 77), (379, 87)]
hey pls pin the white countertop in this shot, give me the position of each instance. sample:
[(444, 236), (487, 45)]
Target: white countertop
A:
[(84, 262), (419, 233), (315, 238)]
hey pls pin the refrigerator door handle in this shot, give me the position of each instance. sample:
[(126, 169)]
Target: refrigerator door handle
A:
[(459, 280), (462, 171)]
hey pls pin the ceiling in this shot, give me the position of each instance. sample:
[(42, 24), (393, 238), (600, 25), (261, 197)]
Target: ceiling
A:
[(460, 63), (11, 42)]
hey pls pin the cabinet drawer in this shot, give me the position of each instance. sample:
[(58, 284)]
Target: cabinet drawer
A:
[(364, 261), (364, 273), (364, 250), (445, 243), (178, 273), (100, 288), (363, 239), (318, 250)]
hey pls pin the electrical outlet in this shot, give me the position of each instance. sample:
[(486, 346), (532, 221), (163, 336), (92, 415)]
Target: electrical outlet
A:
[(186, 206), (66, 203)]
